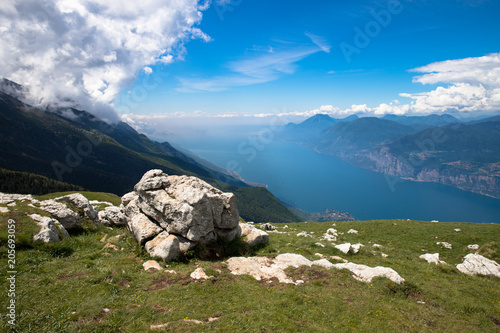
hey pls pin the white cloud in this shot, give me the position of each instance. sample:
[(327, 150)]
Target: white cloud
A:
[(88, 50)]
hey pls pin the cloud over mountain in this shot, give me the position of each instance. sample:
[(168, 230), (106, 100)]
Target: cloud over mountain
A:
[(81, 52)]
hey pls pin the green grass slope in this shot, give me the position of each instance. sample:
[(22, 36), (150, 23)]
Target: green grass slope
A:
[(79, 286)]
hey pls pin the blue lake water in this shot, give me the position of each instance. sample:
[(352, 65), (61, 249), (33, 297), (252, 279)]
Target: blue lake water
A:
[(312, 181)]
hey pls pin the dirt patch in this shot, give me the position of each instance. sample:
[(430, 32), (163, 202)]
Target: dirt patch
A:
[(71, 276), (167, 280), (495, 321), (308, 274), (160, 309)]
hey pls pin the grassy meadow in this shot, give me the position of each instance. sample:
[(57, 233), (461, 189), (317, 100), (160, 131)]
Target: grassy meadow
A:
[(78, 285)]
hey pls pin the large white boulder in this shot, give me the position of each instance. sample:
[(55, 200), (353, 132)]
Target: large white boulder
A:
[(51, 230), (186, 208), (477, 264), (432, 258)]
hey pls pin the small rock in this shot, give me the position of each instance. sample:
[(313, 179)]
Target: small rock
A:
[(322, 256), (199, 273), (444, 244), (110, 246), (432, 258), (253, 236), (458, 230), (285, 227), (12, 204), (344, 247), (377, 246), (304, 234), (473, 247), (420, 302), (319, 244), (79, 201), (384, 255), (4, 210), (352, 231), (339, 259), (434, 221), (152, 266), (268, 227), (355, 247), (106, 310), (104, 238)]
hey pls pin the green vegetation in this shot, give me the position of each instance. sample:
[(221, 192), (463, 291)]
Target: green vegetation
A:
[(78, 286), (100, 157), (29, 183)]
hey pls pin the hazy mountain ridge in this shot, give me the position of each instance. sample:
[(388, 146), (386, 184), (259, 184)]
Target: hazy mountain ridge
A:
[(76, 147), (447, 151)]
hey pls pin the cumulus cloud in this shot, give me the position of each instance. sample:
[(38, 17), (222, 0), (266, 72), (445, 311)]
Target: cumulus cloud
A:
[(472, 85), (83, 52)]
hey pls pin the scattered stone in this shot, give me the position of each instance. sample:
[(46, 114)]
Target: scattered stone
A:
[(346, 247), (366, 274), (420, 302), (339, 259), (106, 310), (79, 201), (152, 266), (110, 246), (268, 227), (199, 273), (432, 258), (112, 216), (104, 238), (285, 227), (332, 231), (477, 264), (322, 256), (384, 255), (183, 208), (253, 236), (473, 247), (352, 231), (434, 221), (445, 245), (8, 198), (12, 204), (68, 218), (355, 247), (319, 244), (329, 237), (377, 246), (304, 234), (4, 210), (458, 230)]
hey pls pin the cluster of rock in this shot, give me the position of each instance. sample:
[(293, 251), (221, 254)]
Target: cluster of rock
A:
[(170, 215)]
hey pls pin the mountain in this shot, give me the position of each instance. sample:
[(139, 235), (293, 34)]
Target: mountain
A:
[(423, 122), (310, 129), (430, 149), (75, 147), (361, 133)]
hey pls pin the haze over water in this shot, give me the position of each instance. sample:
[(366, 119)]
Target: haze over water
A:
[(311, 181)]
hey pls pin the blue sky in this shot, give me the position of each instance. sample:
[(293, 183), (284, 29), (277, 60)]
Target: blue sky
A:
[(270, 56), (158, 64)]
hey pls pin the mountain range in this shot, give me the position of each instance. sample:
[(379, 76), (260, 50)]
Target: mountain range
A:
[(434, 148), (73, 146)]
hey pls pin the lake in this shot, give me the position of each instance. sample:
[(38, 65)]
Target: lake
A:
[(311, 181)]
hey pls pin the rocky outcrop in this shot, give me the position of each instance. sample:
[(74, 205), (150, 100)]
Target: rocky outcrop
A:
[(266, 268), (51, 230), (477, 264), (68, 218), (172, 214), (80, 202)]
